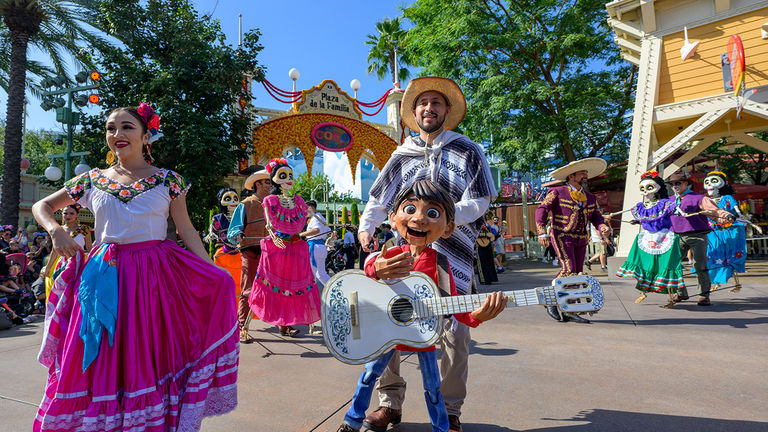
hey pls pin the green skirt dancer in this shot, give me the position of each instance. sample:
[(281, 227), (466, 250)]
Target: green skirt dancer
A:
[(656, 265)]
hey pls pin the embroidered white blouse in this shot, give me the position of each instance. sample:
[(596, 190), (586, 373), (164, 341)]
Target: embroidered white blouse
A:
[(127, 213)]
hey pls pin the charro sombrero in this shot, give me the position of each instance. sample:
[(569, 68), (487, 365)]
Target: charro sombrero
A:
[(447, 87), (594, 167), (253, 178)]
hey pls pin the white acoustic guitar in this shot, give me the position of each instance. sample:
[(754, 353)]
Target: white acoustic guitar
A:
[(363, 318)]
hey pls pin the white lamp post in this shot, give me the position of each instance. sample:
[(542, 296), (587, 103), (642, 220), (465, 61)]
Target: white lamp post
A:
[(355, 84), (294, 75)]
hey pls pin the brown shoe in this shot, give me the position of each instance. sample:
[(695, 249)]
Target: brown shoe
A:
[(454, 424), (703, 301), (378, 420), (677, 298)]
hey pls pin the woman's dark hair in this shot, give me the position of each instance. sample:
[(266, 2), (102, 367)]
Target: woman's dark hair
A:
[(312, 203), (276, 189), (135, 113), (727, 189), (427, 190), (74, 207), (220, 195), (39, 236)]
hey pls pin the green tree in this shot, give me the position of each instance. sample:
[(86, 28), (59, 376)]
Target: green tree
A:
[(385, 47), (303, 186), (741, 163), (355, 214), (180, 63), (541, 77), (57, 28)]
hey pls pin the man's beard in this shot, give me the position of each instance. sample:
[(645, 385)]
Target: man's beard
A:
[(433, 128)]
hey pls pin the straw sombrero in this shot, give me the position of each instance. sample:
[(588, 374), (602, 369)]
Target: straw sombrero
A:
[(253, 178), (447, 87), (594, 167)]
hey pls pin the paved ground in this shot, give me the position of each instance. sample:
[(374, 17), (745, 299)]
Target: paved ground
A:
[(638, 367)]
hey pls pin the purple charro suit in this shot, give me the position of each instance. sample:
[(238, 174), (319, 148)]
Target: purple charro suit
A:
[(570, 231)]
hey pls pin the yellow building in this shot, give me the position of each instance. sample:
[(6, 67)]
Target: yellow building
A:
[(682, 101)]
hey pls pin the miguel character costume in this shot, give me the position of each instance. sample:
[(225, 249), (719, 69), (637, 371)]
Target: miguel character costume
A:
[(460, 166), (435, 265)]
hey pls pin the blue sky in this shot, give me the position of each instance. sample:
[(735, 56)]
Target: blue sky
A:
[(322, 39)]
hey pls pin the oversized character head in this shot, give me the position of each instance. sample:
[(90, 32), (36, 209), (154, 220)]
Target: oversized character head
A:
[(652, 186), (228, 200)]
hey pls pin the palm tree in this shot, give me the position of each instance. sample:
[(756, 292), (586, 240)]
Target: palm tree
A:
[(391, 43), (56, 27)]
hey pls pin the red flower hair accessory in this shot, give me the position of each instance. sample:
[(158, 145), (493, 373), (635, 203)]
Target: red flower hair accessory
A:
[(274, 162), (653, 174), (151, 120)]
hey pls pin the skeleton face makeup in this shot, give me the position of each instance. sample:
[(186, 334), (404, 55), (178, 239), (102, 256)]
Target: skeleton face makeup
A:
[(649, 188), (713, 184), (230, 199), (284, 178)]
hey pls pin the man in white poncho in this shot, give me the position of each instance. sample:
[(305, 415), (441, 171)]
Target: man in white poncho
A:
[(433, 106)]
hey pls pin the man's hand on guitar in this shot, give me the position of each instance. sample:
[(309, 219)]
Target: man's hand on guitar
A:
[(493, 305), (396, 267)]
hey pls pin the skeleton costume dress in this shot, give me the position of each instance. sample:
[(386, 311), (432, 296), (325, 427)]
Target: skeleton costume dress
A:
[(726, 243), (654, 260)]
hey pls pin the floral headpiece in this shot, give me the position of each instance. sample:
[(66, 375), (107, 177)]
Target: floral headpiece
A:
[(720, 173), (274, 162), (44, 234), (6, 227), (151, 120), (652, 173)]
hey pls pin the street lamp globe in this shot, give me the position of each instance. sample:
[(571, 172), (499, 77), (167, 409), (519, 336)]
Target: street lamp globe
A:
[(25, 164), (355, 84), (53, 173), (82, 167), (294, 74)]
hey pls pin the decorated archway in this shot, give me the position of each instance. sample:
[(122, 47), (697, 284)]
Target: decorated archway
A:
[(327, 118)]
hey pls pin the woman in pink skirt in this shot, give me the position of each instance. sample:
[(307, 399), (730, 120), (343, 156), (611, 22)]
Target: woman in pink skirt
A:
[(284, 290), (140, 335)]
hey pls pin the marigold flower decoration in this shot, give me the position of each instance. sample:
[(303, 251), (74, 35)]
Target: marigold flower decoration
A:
[(647, 174)]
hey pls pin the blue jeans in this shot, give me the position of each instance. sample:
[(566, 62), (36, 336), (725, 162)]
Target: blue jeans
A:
[(430, 376)]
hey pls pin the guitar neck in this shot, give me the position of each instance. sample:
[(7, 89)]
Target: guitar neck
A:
[(468, 303)]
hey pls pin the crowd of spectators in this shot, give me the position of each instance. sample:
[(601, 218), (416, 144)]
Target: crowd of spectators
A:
[(22, 274)]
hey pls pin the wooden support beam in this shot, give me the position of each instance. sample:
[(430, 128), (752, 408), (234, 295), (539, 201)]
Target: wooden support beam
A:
[(752, 141), (687, 135), (689, 155)]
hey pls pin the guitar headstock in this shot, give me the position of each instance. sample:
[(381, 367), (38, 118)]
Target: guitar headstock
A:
[(578, 294)]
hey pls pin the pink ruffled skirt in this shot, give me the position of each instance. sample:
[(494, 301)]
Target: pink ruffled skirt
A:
[(174, 358), (284, 291)]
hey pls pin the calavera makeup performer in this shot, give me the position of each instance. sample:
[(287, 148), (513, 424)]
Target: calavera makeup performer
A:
[(654, 260), (727, 242)]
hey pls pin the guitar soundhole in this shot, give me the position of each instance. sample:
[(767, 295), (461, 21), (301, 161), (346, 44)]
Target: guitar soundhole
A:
[(402, 310)]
